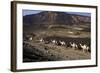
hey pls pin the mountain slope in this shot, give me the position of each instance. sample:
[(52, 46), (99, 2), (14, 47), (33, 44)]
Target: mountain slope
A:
[(52, 18)]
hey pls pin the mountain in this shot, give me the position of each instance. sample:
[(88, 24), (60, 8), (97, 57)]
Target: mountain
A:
[(54, 18)]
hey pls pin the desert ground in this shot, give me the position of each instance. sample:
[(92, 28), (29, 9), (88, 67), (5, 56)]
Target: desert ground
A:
[(43, 44)]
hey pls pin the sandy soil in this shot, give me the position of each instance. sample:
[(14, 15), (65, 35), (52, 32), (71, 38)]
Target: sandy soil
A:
[(34, 52)]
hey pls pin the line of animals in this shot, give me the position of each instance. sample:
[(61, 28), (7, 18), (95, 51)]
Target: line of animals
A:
[(73, 45)]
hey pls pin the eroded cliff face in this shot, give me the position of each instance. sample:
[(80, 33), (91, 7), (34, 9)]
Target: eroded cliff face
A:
[(54, 18)]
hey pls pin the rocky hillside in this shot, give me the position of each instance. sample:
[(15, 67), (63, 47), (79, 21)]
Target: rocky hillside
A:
[(49, 18)]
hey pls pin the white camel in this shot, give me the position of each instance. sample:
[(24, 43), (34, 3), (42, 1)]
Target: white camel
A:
[(84, 47), (62, 43), (41, 40), (54, 41), (73, 45), (30, 38)]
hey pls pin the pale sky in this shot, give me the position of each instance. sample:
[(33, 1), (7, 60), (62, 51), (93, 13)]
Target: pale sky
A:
[(28, 12)]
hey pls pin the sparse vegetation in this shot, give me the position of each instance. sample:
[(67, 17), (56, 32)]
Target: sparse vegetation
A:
[(50, 47), (51, 52)]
